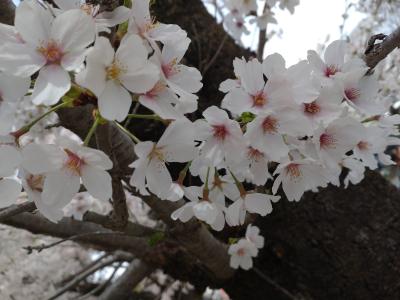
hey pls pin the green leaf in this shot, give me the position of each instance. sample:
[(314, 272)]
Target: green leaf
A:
[(156, 238)]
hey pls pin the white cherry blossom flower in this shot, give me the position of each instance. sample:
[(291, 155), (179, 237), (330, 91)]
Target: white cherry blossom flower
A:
[(242, 253), (253, 235), (63, 167), (110, 76), (175, 145), (253, 203), (297, 177), (360, 92), (53, 46), (291, 85), (334, 62), (339, 137), (103, 20), (33, 186), (223, 138), (144, 25), (183, 80)]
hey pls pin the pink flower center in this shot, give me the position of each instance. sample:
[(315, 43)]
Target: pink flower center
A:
[(52, 52), (352, 94), (74, 162), (170, 69), (220, 132), (331, 70), (90, 9), (270, 125), (156, 90), (293, 170), (241, 252), (35, 182), (239, 24), (259, 100), (327, 141), (156, 153), (363, 145), (312, 108), (254, 154)]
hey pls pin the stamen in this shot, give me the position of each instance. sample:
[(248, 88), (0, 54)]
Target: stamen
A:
[(74, 162), (220, 132), (327, 141), (270, 125), (312, 108), (52, 52), (293, 171)]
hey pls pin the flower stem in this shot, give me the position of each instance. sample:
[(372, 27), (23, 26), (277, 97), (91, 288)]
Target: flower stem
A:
[(146, 117), (26, 128), (92, 130), (127, 132)]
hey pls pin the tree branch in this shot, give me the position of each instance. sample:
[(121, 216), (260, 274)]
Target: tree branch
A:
[(119, 256), (68, 227), (122, 288), (377, 52), (16, 209)]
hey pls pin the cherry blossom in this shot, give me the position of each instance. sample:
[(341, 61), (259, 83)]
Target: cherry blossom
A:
[(175, 145), (64, 166), (223, 138), (103, 20), (111, 75), (297, 177), (253, 235), (53, 46), (242, 254), (252, 202)]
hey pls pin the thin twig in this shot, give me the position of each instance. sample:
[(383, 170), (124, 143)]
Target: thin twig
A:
[(262, 37), (117, 257), (42, 247), (102, 286), (91, 265), (214, 58), (16, 209), (274, 284)]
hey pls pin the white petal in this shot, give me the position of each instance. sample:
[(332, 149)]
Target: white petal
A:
[(10, 158), (20, 60), (33, 22), (97, 182), (9, 191), (60, 187), (258, 203), (74, 30), (158, 178), (42, 158), (53, 83), (13, 88), (114, 102)]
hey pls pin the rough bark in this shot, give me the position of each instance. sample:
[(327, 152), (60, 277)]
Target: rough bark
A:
[(7, 8)]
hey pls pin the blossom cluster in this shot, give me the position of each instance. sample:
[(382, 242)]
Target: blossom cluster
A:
[(239, 15), (243, 251), (297, 127)]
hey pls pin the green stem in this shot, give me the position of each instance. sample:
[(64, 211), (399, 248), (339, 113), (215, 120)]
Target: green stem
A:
[(92, 130), (127, 132), (28, 127), (146, 117), (239, 185)]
